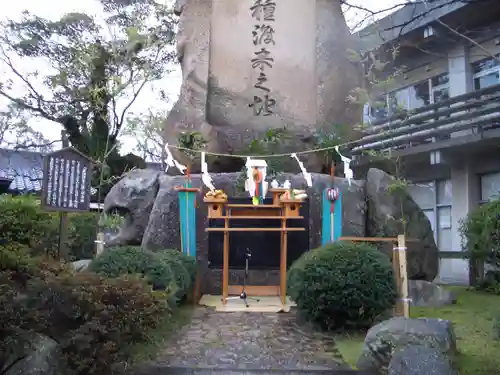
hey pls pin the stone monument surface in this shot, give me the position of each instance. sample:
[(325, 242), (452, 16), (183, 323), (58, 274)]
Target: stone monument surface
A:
[(252, 65)]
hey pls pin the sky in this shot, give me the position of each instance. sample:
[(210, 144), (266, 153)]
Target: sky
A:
[(53, 9)]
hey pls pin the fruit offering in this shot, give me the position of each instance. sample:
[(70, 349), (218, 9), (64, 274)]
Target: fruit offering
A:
[(216, 194), (294, 194)]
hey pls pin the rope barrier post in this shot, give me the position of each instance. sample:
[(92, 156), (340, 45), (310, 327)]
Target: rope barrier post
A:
[(399, 265), (403, 274), (398, 309), (99, 244)]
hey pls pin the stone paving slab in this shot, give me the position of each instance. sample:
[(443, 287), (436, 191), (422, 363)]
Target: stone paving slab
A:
[(250, 341)]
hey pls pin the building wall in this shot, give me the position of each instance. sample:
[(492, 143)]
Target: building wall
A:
[(447, 193), (470, 178)]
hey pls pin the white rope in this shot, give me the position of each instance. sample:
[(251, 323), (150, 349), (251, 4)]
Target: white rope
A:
[(289, 154)]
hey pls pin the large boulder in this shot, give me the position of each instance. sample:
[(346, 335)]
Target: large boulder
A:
[(81, 265), (33, 354), (420, 360), (133, 197), (308, 83), (426, 294), (392, 211), (386, 338), (163, 229), (149, 201)]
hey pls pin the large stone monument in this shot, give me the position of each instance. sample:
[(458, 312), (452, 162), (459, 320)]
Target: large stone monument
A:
[(252, 65)]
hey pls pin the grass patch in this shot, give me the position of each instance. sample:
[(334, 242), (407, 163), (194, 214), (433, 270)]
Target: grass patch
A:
[(350, 345), (169, 326), (473, 317)]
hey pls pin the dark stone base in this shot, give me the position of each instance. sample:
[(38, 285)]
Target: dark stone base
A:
[(211, 280)]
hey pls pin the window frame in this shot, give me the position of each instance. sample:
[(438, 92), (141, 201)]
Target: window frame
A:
[(435, 207), (485, 72), (481, 199), (369, 118)]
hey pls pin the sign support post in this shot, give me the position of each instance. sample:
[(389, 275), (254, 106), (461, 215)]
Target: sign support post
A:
[(62, 251)]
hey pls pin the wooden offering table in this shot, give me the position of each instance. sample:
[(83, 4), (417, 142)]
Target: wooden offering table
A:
[(283, 210)]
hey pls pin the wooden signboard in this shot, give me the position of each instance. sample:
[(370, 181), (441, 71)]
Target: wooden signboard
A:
[(67, 174), (66, 181)]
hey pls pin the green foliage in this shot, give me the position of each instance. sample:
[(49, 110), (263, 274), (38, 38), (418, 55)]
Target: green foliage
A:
[(182, 267), (342, 285), (271, 143), (329, 138), (496, 327), (490, 283), (480, 232), (82, 232), (91, 70), (192, 141), (130, 260), (168, 270), (23, 221), (93, 318)]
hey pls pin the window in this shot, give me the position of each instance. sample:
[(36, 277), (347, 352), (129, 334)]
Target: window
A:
[(486, 72), (435, 200), (440, 88), (427, 92), (490, 186)]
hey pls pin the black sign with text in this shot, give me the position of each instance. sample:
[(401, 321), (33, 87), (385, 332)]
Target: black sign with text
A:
[(66, 181)]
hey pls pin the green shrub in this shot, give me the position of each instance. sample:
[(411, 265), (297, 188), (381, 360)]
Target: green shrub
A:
[(94, 318), (82, 233), (496, 328), (21, 266), (342, 285), (131, 260), (22, 220), (177, 262), (480, 232), (490, 283), (189, 262)]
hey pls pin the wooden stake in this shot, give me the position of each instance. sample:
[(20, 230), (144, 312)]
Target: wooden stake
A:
[(99, 244), (398, 309), (283, 261), (63, 219), (63, 236), (225, 270), (403, 274)]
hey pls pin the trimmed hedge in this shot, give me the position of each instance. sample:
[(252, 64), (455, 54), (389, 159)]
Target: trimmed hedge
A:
[(184, 276), (342, 285), (168, 270), (131, 260)]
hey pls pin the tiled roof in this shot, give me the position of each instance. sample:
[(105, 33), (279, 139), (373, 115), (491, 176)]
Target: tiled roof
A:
[(24, 169)]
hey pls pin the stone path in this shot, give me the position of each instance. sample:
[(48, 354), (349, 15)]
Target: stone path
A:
[(243, 341)]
